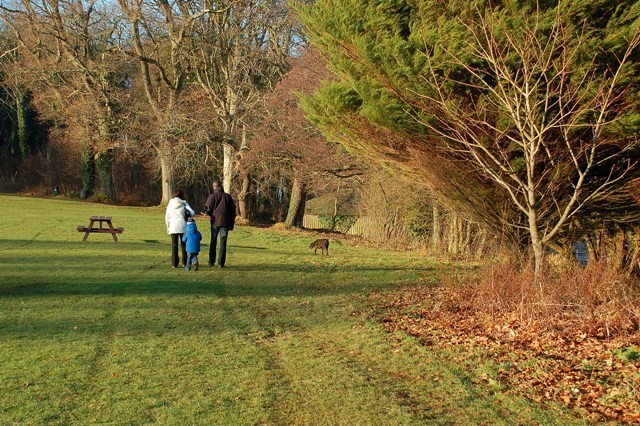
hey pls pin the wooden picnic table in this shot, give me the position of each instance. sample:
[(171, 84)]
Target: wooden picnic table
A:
[(100, 229)]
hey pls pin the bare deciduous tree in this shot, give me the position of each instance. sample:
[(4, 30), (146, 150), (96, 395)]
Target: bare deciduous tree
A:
[(64, 58), (288, 145), (538, 126), (157, 35), (237, 56)]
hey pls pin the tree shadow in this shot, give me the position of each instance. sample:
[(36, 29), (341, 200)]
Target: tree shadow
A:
[(63, 268), (185, 286), (246, 247)]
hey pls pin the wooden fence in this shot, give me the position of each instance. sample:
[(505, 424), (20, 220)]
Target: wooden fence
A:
[(362, 227)]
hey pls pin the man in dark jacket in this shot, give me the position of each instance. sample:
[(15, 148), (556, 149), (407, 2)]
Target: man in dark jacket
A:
[(222, 210)]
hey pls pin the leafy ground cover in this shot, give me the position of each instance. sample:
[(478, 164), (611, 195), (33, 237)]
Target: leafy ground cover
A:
[(566, 362), (99, 332)]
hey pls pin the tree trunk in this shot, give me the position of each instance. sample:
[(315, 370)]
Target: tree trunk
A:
[(460, 232), (244, 199), (536, 242), (88, 170), (167, 174), (104, 157), (436, 230), (592, 247), (104, 163), (334, 217), (453, 234), (633, 264), (620, 253), (482, 240), (227, 167), (468, 231), (538, 261), (296, 204), (23, 128), (299, 219)]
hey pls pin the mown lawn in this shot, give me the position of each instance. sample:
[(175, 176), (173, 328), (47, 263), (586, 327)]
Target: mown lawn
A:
[(99, 332)]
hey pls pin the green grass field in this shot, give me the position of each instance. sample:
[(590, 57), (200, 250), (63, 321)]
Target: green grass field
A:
[(99, 332)]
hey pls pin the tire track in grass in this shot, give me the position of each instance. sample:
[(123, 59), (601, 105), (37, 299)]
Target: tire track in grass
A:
[(241, 308), (137, 362), (97, 390), (325, 387), (265, 320), (278, 384), (258, 323), (238, 373), (308, 385), (97, 364), (333, 368), (400, 381)]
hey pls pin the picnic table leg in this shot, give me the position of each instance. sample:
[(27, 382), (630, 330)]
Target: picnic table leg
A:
[(86, 234), (113, 231)]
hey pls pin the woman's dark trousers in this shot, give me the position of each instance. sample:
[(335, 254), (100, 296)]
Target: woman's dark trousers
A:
[(176, 239)]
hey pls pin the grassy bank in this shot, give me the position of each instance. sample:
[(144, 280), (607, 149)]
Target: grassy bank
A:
[(104, 332)]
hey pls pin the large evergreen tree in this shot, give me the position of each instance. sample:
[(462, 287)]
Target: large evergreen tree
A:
[(523, 114)]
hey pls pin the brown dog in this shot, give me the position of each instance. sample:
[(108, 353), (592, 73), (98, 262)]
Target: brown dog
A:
[(322, 244)]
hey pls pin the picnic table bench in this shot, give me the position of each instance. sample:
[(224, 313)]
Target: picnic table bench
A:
[(93, 228)]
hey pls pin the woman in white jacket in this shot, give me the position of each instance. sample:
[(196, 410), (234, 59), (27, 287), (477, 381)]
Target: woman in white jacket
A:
[(176, 220)]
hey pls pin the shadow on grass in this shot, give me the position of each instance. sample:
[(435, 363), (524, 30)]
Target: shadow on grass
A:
[(52, 268), (327, 268), (184, 286), (163, 307), (99, 243), (231, 247), (118, 310), (168, 288)]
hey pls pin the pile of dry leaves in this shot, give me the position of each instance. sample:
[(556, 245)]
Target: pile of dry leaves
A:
[(562, 359)]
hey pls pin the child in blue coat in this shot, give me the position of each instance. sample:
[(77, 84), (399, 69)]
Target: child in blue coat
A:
[(191, 240)]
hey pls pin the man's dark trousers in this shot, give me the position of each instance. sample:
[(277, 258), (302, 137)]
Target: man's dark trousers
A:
[(222, 255)]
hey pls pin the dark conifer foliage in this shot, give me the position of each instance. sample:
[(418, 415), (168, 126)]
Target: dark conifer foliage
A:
[(522, 114)]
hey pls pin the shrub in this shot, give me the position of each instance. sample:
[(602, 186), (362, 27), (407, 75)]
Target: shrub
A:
[(603, 300)]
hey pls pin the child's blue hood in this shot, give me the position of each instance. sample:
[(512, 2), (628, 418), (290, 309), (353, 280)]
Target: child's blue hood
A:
[(191, 228)]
